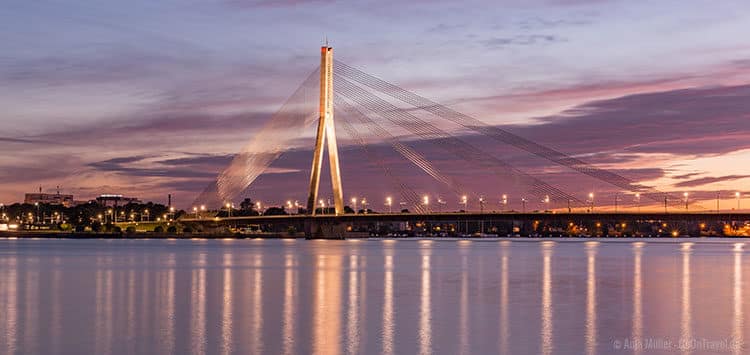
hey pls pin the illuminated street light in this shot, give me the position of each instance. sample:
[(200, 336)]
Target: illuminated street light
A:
[(686, 200), (389, 203), (638, 201), (426, 202), (738, 195), (546, 202), (523, 203), (465, 202), (440, 202), (195, 209), (591, 199), (354, 204), (481, 204), (505, 202), (229, 209)]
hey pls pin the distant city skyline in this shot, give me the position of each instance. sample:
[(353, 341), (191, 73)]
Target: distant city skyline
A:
[(149, 99)]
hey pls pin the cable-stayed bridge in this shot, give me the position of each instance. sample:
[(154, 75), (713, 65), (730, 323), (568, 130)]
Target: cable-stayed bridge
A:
[(374, 113)]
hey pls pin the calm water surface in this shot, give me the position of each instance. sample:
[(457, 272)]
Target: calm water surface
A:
[(391, 297)]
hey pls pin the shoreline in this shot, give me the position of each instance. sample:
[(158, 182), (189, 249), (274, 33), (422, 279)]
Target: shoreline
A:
[(276, 236)]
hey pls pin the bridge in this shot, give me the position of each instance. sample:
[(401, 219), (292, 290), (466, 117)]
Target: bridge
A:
[(373, 111)]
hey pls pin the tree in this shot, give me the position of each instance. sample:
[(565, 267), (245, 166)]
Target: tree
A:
[(275, 211)]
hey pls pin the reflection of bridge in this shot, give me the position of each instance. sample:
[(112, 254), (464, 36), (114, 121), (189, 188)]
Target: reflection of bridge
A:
[(371, 111)]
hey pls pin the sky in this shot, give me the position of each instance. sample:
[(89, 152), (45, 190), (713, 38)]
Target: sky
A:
[(147, 98)]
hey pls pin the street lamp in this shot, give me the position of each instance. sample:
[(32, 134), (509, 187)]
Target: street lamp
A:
[(738, 195), (229, 209), (354, 204), (505, 202), (591, 199), (546, 202), (195, 209), (364, 205), (638, 201), (465, 201), (389, 203), (686, 200), (481, 204), (523, 204), (426, 202)]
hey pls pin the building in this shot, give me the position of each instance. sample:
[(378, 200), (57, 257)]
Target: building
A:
[(51, 199), (115, 200)]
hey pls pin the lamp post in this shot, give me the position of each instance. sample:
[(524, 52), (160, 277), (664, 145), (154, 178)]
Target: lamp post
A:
[(229, 209), (364, 205), (591, 199), (440, 202), (481, 204), (638, 201), (523, 204), (195, 209), (546, 202), (354, 204), (389, 203), (505, 202), (426, 202), (685, 194), (465, 202), (738, 195)]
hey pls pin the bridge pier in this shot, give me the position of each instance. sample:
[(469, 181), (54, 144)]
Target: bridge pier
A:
[(325, 230)]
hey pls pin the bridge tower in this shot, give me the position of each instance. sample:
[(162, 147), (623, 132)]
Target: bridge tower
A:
[(326, 134)]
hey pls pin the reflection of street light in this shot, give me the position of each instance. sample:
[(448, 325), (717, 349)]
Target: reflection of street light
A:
[(389, 203)]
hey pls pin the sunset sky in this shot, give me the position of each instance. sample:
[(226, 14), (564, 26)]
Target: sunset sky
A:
[(145, 98)]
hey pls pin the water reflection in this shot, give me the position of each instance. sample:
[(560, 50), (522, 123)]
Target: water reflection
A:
[(425, 312), (738, 323), (327, 309), (388, 326), (290, 295), (686, 330), (31, 300), (464, 307), (257, 325), (353, 314), (226, 307), (591, 297), (504, 326), (198, 307), (637, 297), (9, 293), (299, 297), (546, 331)]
